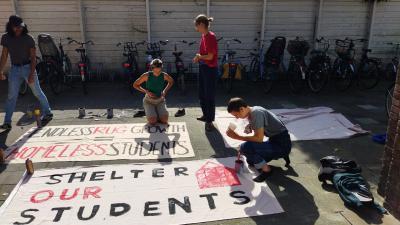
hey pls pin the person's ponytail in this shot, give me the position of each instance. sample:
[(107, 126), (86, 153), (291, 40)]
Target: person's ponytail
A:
[(203, 19)]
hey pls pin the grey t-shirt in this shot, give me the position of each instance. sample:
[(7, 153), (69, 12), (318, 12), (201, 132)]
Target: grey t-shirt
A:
[(262, 118), (18, 47)]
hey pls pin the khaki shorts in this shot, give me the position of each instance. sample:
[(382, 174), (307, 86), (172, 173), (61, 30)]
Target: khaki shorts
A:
[(155, 107)]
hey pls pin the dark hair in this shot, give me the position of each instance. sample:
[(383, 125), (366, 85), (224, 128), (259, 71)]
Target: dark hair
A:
[(235, 104), (15, 20), (156, 63), (204, 20)]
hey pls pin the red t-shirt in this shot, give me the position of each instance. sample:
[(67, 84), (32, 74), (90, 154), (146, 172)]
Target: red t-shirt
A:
[(208, 44)]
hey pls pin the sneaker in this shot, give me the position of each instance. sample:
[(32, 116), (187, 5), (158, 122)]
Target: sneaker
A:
[(6, 126), (262, 177), (47, 118), (180, 112), (210, 127), (202, 119), (139, 113)]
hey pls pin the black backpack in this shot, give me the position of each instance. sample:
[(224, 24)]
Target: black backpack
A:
[(330, 165), (276, 49)]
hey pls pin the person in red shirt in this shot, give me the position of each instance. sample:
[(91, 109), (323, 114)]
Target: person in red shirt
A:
[(207, 57)]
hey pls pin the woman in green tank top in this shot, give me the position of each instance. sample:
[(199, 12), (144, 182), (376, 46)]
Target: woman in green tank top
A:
[(157, 84)]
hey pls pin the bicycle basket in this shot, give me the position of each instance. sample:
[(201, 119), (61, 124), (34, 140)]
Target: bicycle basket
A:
[(298, 47), (341, 47), (47, 46)]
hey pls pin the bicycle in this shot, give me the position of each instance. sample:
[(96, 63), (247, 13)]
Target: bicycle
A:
[(229, 65), (55, 64), (257, 62), (389, 98), (343, 69), (392, 67), (297, 70), (320, 66), (130, 65), (84, 62), (179, 65), (273, 62), (154, 51), (368, 71)]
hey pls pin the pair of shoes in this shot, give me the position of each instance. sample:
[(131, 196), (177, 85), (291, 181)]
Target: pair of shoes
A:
[(202, 119), (139, 113), (47, 118), (180, 112), (210, 126), (6, 126), (262, 177)]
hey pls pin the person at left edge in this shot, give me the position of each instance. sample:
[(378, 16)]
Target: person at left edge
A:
[(21, 47)]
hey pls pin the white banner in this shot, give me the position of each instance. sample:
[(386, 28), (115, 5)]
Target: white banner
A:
[(140, 194), (102, 142), (303, 124)]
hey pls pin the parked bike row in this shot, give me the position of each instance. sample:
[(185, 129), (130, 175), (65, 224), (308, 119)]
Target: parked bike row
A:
[(55, 68), (343, 72)]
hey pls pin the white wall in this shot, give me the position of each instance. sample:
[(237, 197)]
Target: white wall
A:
[(237, 19), (111, 21), (386, 28), (172, 20)]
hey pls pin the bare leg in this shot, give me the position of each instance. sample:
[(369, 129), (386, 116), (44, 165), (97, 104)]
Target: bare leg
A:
[(152, 120), (164, 119)]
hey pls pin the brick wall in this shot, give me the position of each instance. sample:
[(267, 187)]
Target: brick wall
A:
[(389, 184)]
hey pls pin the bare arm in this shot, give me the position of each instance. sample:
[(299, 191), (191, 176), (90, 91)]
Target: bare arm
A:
[(138, 83), (209, 56), (170, 82), (257, 137), (3, 61)]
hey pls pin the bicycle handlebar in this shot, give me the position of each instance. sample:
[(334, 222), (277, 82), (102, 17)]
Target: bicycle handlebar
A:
[(80, 43)]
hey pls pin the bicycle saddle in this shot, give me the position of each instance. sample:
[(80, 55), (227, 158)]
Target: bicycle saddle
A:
[(177, 53), (253, 54), (231, 52), (367, 50)]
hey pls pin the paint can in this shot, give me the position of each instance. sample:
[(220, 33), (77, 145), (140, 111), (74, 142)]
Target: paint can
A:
[(239, 165), (37, 113), (110, 113), (29, 112), (232, 126), (82, 112), (29, 166)]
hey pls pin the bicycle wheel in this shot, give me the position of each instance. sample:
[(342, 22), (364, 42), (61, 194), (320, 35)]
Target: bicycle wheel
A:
[(389, 97), (368, 76), (181, 81), (344, 76), (67, 65), (55, 81), (318, 78), (254, 69), (269, 74), (296, 77), (390, 73)]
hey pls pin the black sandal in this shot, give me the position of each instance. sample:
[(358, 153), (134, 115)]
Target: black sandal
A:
[(6, 126)]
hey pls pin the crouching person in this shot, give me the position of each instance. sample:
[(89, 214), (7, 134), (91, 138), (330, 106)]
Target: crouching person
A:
[(264, 123), (155, 91)]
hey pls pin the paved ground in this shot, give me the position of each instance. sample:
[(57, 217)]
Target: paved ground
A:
[(298, 190)]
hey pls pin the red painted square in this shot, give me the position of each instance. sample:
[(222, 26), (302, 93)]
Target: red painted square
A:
[(216, 175)]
